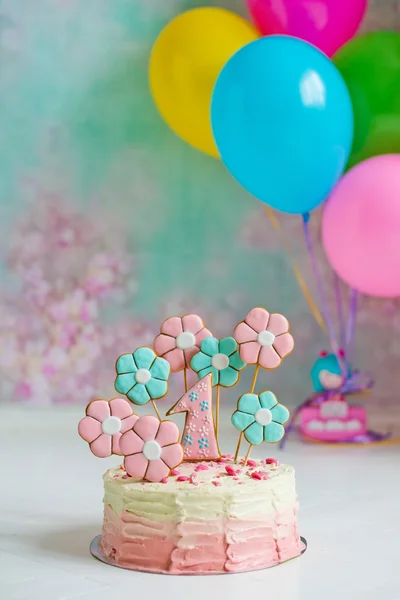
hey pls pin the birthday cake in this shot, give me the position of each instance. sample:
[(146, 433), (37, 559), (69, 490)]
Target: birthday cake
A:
[(177, 505), (208, 518)]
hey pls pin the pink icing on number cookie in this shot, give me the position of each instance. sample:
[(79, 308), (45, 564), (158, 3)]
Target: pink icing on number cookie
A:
[(264, 338), (198, 437)]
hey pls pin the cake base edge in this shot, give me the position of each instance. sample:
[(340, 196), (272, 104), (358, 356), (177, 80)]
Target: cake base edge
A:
[(95, 550)]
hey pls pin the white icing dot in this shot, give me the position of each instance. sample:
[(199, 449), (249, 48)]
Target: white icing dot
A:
[(111, 425), (143, 376), (220, 361), (265, 338), (263, 416), (152, 450), (185, 340)]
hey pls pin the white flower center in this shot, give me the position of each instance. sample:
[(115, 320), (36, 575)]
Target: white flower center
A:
[(143, 376), (263, 416), (220, 361), (265, 338), (152, 450), (111, 425), (185, 340)]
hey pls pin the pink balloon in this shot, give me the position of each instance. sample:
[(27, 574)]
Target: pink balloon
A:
[(361, 226), (327, 24)]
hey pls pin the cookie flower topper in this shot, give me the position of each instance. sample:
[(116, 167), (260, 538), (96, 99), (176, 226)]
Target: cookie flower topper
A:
[(260, 418), (151, 449), (221, 359), (264, 340), (142, 376), (179, 340), (104, 424)]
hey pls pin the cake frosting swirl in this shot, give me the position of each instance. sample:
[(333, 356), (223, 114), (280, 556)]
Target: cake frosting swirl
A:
[(211, 517)]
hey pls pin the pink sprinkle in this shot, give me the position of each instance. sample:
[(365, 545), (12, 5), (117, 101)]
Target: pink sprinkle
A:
[(256, 475), (201, 467), (263, 474), (125, 476), (193, 482), (175, 472), (236, 478), (164, 480), (115, 476), (183, 478), (216, 483), (228, 456), (272, 461), (230, 470), (251, 463), (239, 471)]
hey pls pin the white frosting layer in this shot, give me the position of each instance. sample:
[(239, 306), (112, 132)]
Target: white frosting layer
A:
[(239, 497)]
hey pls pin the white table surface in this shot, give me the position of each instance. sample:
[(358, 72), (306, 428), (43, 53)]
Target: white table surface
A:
[(51, 508)]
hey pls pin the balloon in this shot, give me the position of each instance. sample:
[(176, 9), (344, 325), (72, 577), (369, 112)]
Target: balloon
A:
[(283, 123), (370, 65), (327, 24), (361, 227), (184, 64)]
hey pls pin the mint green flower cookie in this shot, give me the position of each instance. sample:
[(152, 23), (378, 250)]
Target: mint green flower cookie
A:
[(260, 417), (221, 359), (142, 376)]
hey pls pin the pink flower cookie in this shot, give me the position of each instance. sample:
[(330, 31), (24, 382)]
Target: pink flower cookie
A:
[(151, 449), (104, 424), (180, 340), (263, 338)]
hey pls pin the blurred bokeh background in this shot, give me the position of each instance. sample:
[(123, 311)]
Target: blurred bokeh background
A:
[(109, 223)]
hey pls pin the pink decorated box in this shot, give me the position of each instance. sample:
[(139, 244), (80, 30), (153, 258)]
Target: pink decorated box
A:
[(333, 421)]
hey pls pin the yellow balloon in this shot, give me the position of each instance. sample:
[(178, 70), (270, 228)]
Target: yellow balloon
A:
[(185, 62)]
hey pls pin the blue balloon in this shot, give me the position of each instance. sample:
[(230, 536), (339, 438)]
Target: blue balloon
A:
[(282, 120)]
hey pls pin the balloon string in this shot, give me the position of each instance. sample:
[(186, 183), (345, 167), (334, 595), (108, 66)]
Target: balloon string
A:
[(317, 275), (351, 323), (296, 270), (339, 308)]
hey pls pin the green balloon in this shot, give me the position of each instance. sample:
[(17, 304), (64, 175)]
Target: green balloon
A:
[(370, 66)]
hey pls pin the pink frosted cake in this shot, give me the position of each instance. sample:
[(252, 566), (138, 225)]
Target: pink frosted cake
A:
[(211, 518), (177, 505)]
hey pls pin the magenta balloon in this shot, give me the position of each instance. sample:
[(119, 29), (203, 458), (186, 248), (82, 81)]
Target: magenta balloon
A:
[(327, 24), (361, 227)]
